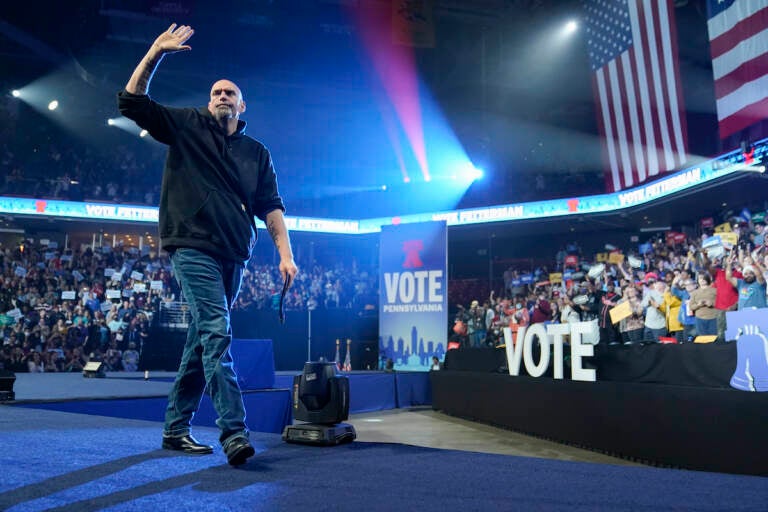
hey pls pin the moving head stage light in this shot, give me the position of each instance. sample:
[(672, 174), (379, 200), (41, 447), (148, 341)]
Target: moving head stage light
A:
[(321, 400)]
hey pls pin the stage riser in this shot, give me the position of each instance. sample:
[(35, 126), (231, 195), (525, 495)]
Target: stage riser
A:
[(268, 411), (696, 428)]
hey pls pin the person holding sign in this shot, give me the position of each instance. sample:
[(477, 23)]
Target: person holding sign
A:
[(609, 334), (216, 179), (629, 313)]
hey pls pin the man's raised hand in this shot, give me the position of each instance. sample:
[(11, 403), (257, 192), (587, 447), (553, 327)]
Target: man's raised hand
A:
[(173, 39)]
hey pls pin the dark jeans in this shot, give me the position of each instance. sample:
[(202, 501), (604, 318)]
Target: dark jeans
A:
[(706, 327), (633, 336), (210, 286), (609, 334), (653, 335)]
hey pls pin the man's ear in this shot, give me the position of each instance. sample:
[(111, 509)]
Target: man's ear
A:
[(242, 107)]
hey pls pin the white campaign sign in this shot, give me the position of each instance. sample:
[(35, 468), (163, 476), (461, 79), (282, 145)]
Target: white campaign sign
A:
[(551, 338)]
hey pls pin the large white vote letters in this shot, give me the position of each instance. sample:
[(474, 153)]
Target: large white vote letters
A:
[(551, 339)]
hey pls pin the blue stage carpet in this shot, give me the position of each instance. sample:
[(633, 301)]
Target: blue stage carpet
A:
[(63, 461)]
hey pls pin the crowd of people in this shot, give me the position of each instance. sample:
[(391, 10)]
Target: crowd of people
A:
[(676, 287), (64, 308), (61, 308)]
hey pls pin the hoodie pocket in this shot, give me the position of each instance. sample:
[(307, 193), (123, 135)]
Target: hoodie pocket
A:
[(222, 220)]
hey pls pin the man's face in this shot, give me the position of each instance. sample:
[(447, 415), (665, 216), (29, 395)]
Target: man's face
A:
[(226, 101), (749, 277)]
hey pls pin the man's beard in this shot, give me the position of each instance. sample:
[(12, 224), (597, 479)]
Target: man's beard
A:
[(749, 279), (223, 113)]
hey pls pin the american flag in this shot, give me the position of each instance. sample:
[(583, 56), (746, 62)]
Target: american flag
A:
[(738, 40), (633, 52)]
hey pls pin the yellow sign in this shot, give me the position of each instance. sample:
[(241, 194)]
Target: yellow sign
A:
[(620, 312), (704, 339), (616, 258), (556, 278), (725, 227), (601, 257), (729, 239)]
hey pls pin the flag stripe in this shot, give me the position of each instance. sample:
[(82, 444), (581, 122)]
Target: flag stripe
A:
[(634, 120), (672, 90), (742, 30), (728, 19), (656, 79), (744, 118), (747, 72), (738, 34), (618, 117), (649, 142), (746, 50), (742, 97), (605, 110)]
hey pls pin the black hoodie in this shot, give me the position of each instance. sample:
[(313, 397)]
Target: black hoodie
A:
[(213, 184)]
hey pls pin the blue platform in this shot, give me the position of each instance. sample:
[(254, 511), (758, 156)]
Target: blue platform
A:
[(254, 363), (266, 394)]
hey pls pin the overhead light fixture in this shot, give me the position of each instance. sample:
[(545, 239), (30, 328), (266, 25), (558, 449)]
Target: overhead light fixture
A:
[(53, 105)]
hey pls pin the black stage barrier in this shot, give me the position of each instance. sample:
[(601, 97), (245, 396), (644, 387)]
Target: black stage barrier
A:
[(681, 426), (301, 338), (691, 364)]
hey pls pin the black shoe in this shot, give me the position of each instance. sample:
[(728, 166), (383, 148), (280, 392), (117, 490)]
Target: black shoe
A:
[(186, 444), (238, 451)]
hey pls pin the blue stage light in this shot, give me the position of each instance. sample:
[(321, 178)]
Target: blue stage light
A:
[(476, 173)]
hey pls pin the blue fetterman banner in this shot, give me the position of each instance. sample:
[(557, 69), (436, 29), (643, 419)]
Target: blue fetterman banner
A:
[(413, 294)]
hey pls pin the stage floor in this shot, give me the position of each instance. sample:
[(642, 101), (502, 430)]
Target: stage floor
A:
[(416, 426), (63, 461)]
